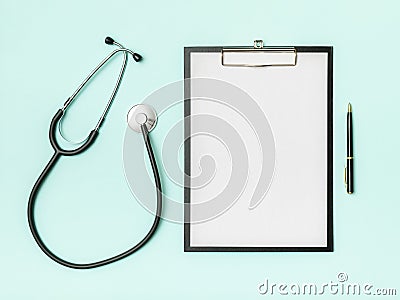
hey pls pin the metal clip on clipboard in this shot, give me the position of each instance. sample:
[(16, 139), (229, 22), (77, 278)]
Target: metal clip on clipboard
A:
[(260, 56)]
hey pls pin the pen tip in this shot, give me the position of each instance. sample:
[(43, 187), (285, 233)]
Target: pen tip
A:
[(349, 107)]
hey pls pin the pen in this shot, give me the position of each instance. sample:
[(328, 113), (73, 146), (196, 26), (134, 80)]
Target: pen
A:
[(349, 172)]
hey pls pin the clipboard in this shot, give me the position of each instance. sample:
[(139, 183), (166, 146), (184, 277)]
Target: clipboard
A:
[(272, 191)]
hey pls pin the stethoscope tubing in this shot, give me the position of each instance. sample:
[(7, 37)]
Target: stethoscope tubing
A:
[(58, 153)]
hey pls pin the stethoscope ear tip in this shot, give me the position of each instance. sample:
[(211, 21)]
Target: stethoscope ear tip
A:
[(137, 57), (109, 41)]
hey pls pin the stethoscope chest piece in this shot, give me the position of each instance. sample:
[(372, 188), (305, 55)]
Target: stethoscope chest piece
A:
[(142, 114)]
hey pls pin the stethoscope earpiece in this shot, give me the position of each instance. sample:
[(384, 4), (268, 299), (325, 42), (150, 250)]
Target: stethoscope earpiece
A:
[(137, 57), (109, 40)]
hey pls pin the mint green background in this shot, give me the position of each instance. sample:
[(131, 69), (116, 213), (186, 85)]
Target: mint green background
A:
[(86, 210)]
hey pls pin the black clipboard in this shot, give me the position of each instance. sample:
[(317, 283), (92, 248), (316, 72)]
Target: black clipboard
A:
[(328, 197)]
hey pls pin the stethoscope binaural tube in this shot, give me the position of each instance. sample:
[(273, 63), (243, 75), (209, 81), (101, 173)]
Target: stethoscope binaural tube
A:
[(59, 152)]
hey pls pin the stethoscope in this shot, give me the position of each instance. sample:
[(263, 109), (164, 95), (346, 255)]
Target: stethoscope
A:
[(141, 118)]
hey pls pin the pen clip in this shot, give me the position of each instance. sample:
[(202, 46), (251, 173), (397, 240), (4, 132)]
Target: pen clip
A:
[(345, 176)]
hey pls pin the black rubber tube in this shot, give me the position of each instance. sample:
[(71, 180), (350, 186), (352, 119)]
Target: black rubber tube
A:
[(46, 172), (57, 148)]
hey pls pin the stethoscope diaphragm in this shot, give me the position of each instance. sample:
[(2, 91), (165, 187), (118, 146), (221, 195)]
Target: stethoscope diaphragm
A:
[(141, 114)]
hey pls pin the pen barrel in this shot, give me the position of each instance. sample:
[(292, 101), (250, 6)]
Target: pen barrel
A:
[(350, 175), (349, 135)]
